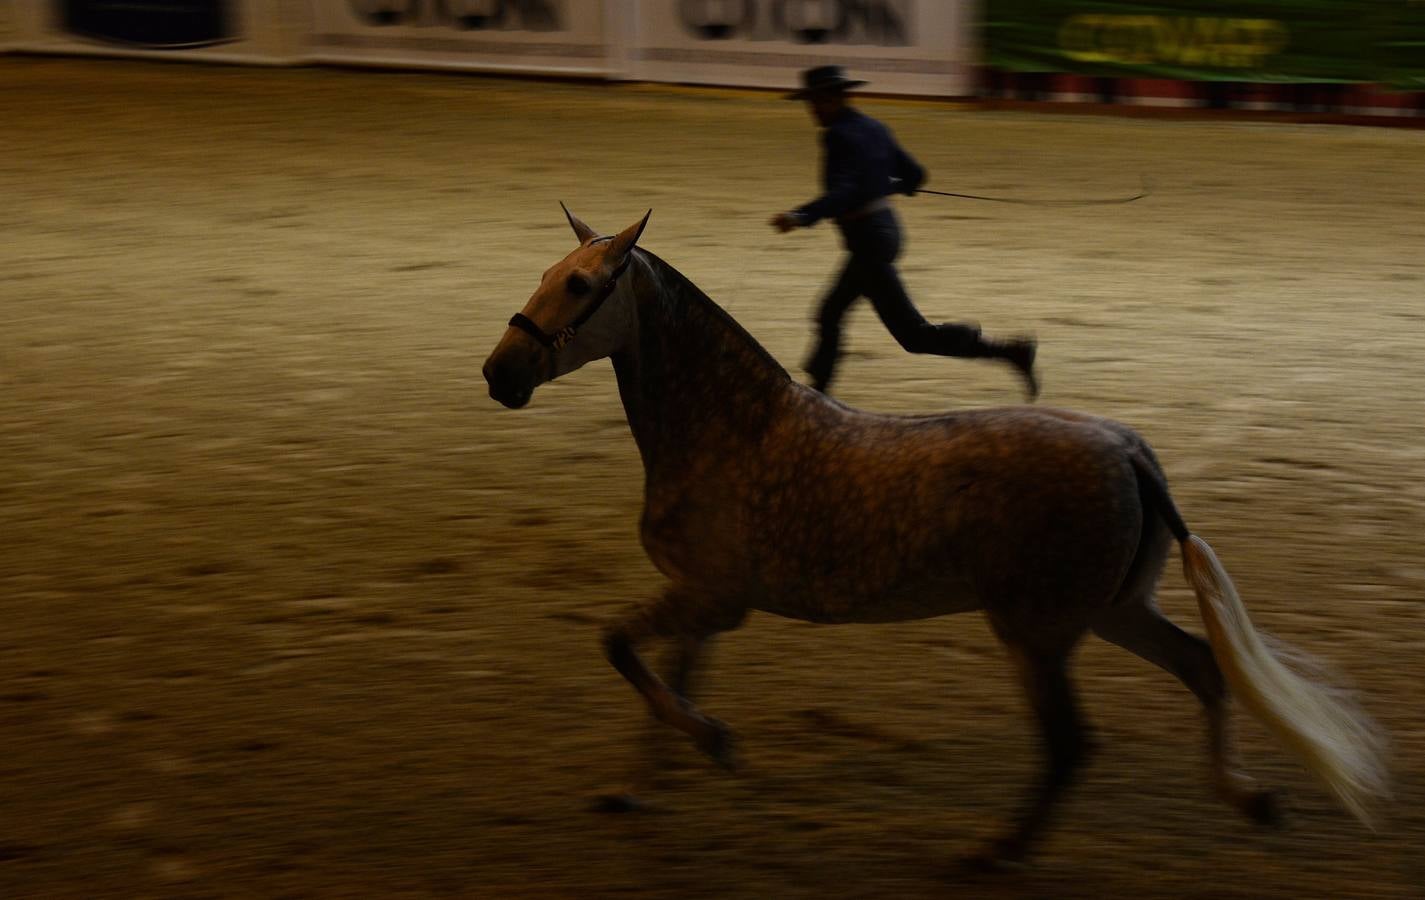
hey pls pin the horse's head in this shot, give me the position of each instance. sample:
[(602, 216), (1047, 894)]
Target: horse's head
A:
[(576, 315)]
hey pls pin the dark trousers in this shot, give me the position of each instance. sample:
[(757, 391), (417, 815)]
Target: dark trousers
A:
[(873, 243)]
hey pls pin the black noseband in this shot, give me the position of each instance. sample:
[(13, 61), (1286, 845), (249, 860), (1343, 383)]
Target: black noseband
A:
[(559, 339)]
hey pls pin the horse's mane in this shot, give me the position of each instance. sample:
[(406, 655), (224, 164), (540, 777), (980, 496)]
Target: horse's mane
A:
[(690, 295)]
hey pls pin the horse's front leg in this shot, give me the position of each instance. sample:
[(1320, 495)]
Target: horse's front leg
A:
[(687, 656), (689, 618)]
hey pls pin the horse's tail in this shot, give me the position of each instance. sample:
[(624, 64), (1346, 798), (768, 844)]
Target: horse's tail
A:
[(1336, 741)]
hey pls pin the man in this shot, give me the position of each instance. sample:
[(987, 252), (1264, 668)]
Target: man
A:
[(861, 166)]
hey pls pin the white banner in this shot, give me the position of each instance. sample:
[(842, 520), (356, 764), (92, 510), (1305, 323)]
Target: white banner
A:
[(219, 30), (552, 36), (900, 46)]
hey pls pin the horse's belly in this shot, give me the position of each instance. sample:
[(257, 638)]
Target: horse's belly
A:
[(831, 604)]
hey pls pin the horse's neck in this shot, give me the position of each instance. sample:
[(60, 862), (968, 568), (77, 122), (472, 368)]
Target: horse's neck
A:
[(693, 382)]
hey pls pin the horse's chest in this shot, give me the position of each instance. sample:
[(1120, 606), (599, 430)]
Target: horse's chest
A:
[(690, 539)]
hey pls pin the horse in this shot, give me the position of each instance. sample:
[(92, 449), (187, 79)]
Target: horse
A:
[(763, 494)]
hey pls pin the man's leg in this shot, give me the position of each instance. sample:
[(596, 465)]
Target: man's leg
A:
[(847, 290), (915, 334)]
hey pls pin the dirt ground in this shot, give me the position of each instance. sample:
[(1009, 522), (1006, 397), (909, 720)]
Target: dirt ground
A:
[(291, 608)]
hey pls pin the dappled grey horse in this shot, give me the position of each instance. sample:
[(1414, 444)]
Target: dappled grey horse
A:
[(761, 494)]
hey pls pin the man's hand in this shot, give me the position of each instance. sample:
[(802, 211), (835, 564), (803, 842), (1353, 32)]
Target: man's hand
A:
[(904, 186), (784, 222)]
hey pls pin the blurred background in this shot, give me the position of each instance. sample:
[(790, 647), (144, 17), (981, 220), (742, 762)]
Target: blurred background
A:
[(291, 608)]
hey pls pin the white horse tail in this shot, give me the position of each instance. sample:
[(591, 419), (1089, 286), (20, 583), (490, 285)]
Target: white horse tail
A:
[(1336, 741)]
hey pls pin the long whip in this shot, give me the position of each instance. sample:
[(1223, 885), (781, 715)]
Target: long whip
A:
[(1146, 190)]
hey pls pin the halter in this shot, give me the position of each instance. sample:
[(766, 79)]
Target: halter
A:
[(559, 339)]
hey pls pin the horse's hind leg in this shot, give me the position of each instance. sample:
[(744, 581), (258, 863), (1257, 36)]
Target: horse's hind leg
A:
[(1141, 629), (1043, 671), (689, 619)]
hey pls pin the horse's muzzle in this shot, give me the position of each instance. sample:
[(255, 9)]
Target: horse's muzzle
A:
[(510, 385)]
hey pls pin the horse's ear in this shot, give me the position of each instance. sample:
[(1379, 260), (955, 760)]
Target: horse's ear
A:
[(583, 232), (624, 240)]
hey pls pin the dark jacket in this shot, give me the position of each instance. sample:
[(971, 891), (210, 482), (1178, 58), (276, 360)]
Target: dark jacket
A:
[(862, 162)]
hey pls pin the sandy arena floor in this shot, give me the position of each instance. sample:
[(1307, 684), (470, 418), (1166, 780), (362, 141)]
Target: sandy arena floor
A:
[(292, 609)]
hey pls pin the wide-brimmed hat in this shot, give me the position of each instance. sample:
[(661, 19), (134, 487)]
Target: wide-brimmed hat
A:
[(824, 80)]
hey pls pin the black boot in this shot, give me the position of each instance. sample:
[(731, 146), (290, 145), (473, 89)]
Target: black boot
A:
[(1020, 354), (819, 368)]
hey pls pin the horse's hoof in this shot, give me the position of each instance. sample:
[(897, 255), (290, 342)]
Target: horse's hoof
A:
[(617, 803), (987, 862), (999, 856), (717, 741), (1266, 809)]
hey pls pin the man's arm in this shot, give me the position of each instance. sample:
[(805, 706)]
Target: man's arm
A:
[(846, 185)]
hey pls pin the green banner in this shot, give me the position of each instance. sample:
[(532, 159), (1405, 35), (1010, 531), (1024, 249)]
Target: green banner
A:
[(1402, 45), (1377, 41)]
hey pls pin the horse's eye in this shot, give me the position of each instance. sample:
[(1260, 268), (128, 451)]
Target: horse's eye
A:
[(577, 286)]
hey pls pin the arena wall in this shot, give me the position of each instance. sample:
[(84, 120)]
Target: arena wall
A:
[(999, 51)]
